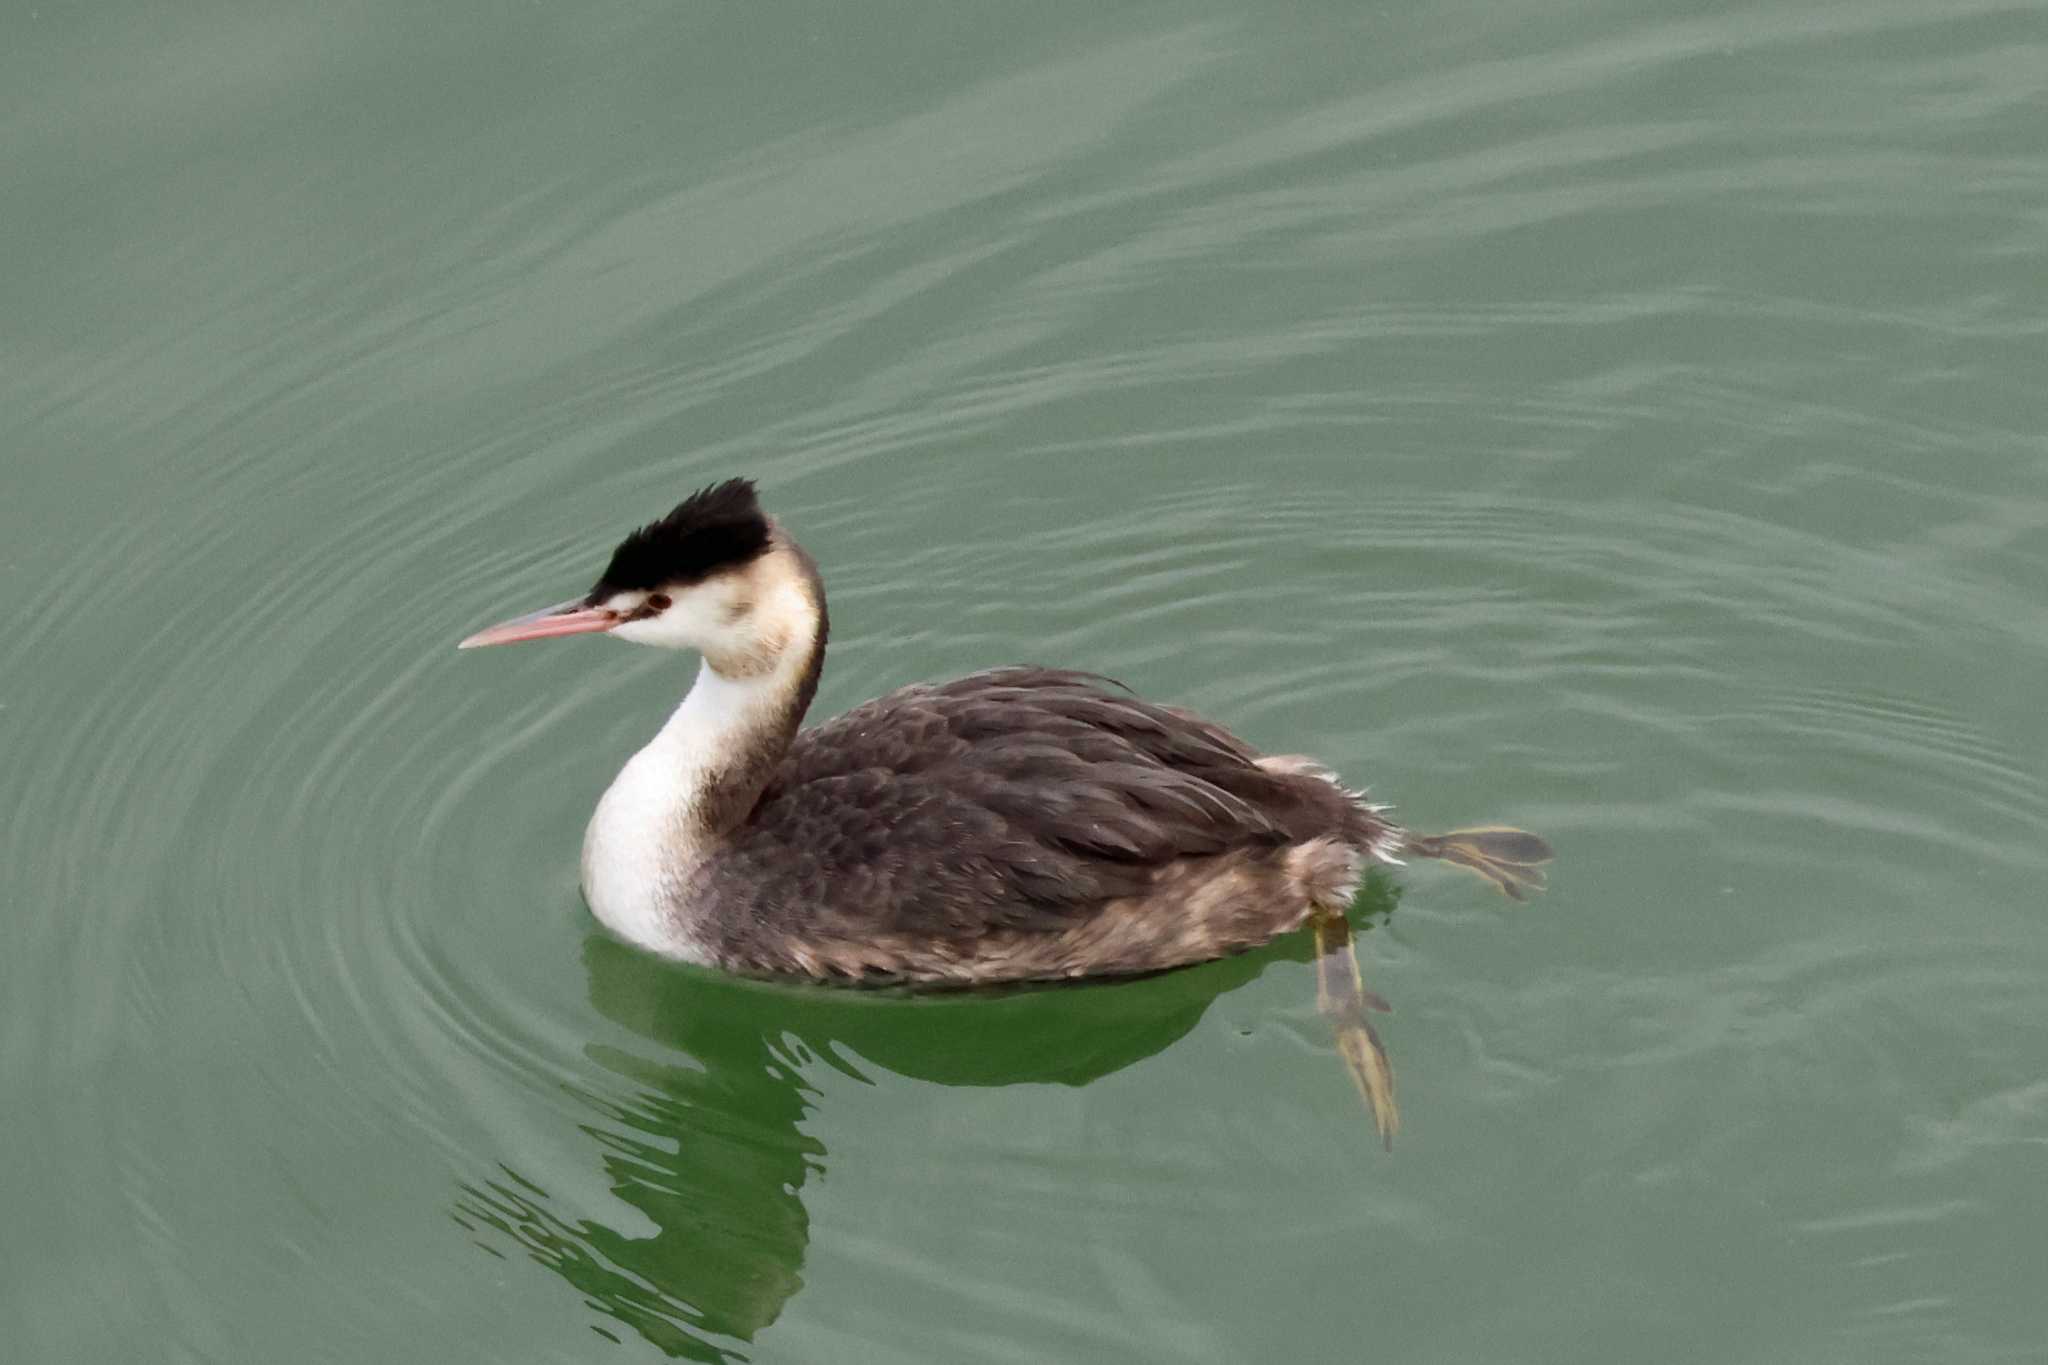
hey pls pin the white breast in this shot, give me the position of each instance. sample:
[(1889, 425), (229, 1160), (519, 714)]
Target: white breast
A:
[(631, 874), (643, 842)]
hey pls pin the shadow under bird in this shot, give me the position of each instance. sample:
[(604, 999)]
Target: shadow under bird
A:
[(1018, 824)]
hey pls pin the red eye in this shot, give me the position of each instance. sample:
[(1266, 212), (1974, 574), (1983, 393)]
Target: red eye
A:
[(658, 601)]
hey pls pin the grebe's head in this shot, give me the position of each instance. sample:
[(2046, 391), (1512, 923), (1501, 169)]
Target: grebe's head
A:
[(714, 575)]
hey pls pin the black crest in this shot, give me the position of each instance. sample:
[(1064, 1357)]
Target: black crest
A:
[(720, 527)]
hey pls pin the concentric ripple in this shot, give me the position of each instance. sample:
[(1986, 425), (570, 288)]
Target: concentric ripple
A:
[(1622, 425)]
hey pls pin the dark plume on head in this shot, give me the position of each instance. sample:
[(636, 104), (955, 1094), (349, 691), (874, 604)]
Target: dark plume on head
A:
[(716, 528)]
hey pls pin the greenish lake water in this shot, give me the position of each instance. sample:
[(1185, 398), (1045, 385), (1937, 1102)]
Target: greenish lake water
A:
[(1621, 420)]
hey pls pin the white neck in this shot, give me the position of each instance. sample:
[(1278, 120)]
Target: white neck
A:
[(657, 821)]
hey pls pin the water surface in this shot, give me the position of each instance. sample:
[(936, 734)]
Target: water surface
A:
[(1624, 421)]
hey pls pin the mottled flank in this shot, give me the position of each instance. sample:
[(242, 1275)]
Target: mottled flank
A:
[(715, 528), (1023, 823)]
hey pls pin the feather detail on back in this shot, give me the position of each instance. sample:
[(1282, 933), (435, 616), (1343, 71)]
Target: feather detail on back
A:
[(1024, 823)]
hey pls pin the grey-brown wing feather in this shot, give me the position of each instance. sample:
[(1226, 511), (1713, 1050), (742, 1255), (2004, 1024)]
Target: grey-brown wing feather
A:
[(1016, 799)]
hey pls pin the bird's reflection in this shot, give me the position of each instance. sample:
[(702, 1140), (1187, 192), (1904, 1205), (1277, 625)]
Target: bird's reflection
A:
[(709, 1142)]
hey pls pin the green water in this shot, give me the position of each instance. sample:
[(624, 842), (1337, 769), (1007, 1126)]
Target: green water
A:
[(1625, 421)]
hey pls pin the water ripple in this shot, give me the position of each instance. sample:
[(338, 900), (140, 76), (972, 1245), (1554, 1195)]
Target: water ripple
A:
[(1320, 415)]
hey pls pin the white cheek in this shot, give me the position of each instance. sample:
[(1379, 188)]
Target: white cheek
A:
[(696, 620)]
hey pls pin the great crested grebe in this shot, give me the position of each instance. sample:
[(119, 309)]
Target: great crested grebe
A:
[(1011, 825)]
